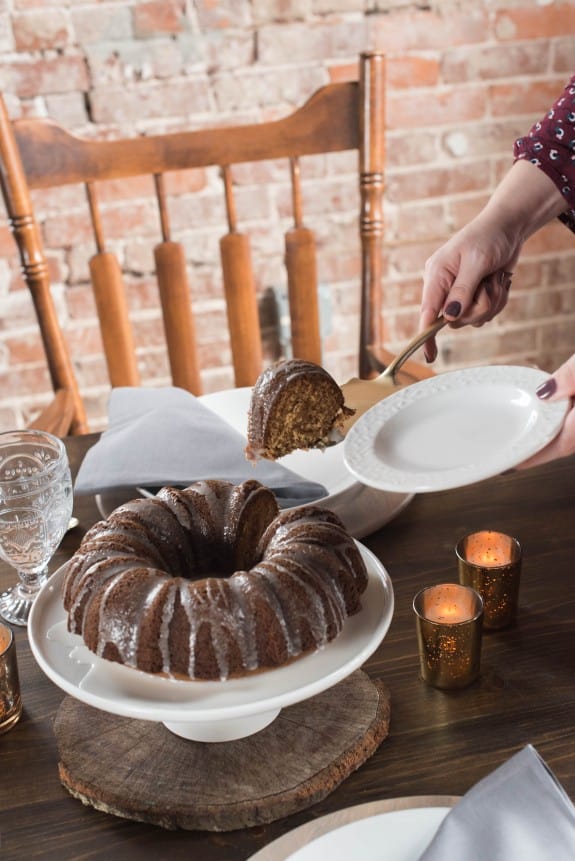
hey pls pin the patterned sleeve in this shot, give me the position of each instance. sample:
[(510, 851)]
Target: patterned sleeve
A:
[(550, 144)]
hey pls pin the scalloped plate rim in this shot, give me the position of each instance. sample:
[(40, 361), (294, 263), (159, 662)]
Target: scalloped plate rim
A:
[(362, 446)]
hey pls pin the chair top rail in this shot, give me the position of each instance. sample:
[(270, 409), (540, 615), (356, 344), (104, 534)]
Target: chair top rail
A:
[(52, 156)]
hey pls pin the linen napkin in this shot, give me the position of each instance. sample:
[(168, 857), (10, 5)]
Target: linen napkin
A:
[(166, 436), (519, 812)]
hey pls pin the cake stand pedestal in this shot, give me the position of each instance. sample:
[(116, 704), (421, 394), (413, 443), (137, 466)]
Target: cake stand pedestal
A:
[(146, 773)]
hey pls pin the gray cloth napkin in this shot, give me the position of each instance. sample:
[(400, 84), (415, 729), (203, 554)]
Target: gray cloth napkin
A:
[(166, 436), (519, 812)]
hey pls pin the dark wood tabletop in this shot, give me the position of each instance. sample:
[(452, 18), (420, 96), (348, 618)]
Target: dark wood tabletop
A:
[(440, 743)]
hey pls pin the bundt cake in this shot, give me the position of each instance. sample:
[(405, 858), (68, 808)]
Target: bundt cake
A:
[(294, 405), (212, 582)]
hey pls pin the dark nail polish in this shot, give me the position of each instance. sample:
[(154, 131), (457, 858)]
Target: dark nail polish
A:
[(546, 389), (453, 309)]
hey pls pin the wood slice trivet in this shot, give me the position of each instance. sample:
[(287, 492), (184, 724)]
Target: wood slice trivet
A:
[(140, 770)]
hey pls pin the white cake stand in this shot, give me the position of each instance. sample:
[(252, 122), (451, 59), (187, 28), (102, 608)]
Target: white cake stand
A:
[(205, 711)]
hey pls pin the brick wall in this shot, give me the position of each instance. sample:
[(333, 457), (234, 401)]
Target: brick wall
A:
[(465, 78)]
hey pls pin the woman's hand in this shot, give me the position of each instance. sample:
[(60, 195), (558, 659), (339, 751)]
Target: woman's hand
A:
[(560, 385), (468, 278)]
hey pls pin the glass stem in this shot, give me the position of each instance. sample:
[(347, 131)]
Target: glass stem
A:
[(31, 581)]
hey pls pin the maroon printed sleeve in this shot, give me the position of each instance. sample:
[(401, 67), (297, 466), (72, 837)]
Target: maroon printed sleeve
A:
[(550, 145)]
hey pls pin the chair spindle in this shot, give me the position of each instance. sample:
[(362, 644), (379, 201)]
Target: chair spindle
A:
[(240, 292), (173, 286), (111, 305), (301, 267)]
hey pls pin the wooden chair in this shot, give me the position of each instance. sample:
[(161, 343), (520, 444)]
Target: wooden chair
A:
[(38, 154)]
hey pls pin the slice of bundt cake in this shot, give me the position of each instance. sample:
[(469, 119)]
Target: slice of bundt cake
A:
[(294, 405)]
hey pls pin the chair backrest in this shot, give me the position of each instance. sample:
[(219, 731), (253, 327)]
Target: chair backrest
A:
[(38, 154)]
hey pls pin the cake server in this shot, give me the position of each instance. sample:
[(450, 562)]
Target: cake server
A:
[(361, 395)]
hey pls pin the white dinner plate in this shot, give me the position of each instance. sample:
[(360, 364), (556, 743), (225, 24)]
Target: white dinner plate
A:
[(363, 509), (453, 429), (364, 834), (206, 711)]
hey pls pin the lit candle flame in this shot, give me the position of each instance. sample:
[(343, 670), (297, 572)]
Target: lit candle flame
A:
[(488, 550), (450, 613)]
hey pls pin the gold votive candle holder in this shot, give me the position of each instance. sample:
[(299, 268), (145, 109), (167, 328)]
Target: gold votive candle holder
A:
[(449, 620), (490, 562), (10, 699)]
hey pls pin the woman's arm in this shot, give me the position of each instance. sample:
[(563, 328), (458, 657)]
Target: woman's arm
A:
[(539, 187)]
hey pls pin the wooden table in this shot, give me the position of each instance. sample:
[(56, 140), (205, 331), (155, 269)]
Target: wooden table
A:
[(439, 743)]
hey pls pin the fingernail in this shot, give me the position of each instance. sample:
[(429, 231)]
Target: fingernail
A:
[(453, 309), (546, 389)]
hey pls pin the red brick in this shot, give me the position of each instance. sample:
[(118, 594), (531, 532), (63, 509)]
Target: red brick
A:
[(494, 138), (67, 109), (41, 30), (560, 269), (401, 72), (423, 221), (32, 77), (264, 88), (484, 62), (25, 350), (113, 104), (401, 293), (424, 30), (198, 211), (563, 56), (441, 182), (472, 347), (535, 22), (447, 105), (268, 11), (551, 239), (58, 200), (99, 23), (412, 147), (218, 14), (158, 16), (29, 380), (7, 242), (75, 228), (279, 44), (465, 207), (343, 72), (84, 341), (533, 98), (415, 71)]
